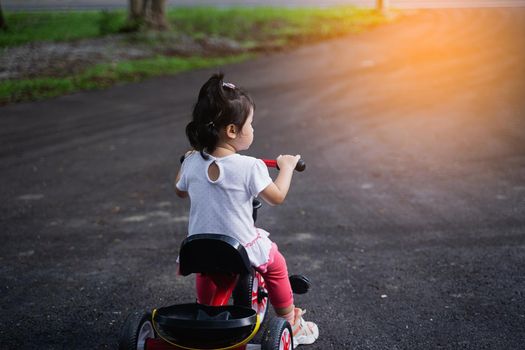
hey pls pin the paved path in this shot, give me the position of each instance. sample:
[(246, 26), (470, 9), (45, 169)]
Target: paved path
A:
[(410, 218)]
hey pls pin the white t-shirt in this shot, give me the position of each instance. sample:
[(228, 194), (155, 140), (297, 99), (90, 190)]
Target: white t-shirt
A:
[(224, 206)]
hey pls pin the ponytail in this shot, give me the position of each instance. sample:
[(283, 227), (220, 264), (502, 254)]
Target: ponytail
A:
[(218, 105), (202, 136)]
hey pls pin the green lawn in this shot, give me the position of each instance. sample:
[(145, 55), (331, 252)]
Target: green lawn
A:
[(105, 75), (59, 26), (253, 28), (273, 23)]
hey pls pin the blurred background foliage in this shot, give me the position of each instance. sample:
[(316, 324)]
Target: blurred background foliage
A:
[(238, 23), (239, 33)]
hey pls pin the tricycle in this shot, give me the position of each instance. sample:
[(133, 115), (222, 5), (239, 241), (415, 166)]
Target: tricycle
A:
[(243, 324)]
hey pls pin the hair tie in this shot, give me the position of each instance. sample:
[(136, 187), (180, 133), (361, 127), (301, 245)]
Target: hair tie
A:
[(212, 124), (228, 85)]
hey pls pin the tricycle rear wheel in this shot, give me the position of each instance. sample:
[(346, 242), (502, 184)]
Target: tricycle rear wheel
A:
[(136, 329), (251, 292)]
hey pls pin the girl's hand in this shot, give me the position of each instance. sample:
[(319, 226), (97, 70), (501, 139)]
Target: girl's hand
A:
[(287, 161)]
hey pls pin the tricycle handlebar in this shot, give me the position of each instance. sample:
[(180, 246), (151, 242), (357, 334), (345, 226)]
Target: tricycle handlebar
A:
[(270, 163)]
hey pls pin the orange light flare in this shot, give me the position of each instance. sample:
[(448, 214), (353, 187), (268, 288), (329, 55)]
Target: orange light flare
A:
[(445, 85)]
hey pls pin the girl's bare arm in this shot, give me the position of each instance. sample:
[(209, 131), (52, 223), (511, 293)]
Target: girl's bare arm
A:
[(275, 193)]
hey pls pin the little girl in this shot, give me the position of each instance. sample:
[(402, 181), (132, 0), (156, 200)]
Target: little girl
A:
[(222, 184)]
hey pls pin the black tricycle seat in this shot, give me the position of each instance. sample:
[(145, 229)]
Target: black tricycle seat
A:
[(217, 253), (213, 253)]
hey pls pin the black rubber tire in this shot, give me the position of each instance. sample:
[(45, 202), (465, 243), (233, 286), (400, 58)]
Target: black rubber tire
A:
[(242, 294), (273, 334), (131, 329)]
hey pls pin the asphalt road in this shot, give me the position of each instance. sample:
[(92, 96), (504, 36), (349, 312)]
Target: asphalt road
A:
[(409, 220)]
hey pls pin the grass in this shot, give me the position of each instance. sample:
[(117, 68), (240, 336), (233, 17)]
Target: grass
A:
[(258, 28), (243, 24), (266, 23), (106, 75), (59, 26)]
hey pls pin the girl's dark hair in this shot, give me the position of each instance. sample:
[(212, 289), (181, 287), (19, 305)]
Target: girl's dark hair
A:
[(218, 105)]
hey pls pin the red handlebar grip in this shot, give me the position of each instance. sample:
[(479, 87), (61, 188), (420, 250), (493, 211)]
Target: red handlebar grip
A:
[(270, 163)]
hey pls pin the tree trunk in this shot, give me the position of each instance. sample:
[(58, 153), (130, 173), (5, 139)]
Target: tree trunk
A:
[(151, 13), (136, 10), (3, 24), (157, 15), (382, 5)]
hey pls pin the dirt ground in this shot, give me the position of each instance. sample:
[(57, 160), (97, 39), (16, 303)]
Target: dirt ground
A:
[(409, 219), (68, 58)]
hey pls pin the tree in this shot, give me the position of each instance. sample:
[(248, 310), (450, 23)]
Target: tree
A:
[(151, 13), (3, 24), (382, 5)]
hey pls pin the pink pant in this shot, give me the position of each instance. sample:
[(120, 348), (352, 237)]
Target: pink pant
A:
[(275, 274)]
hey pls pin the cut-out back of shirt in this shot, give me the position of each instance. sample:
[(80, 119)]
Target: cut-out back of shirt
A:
[(213, 171)]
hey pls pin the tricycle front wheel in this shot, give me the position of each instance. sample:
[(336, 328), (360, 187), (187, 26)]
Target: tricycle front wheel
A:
[(277, 335)]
